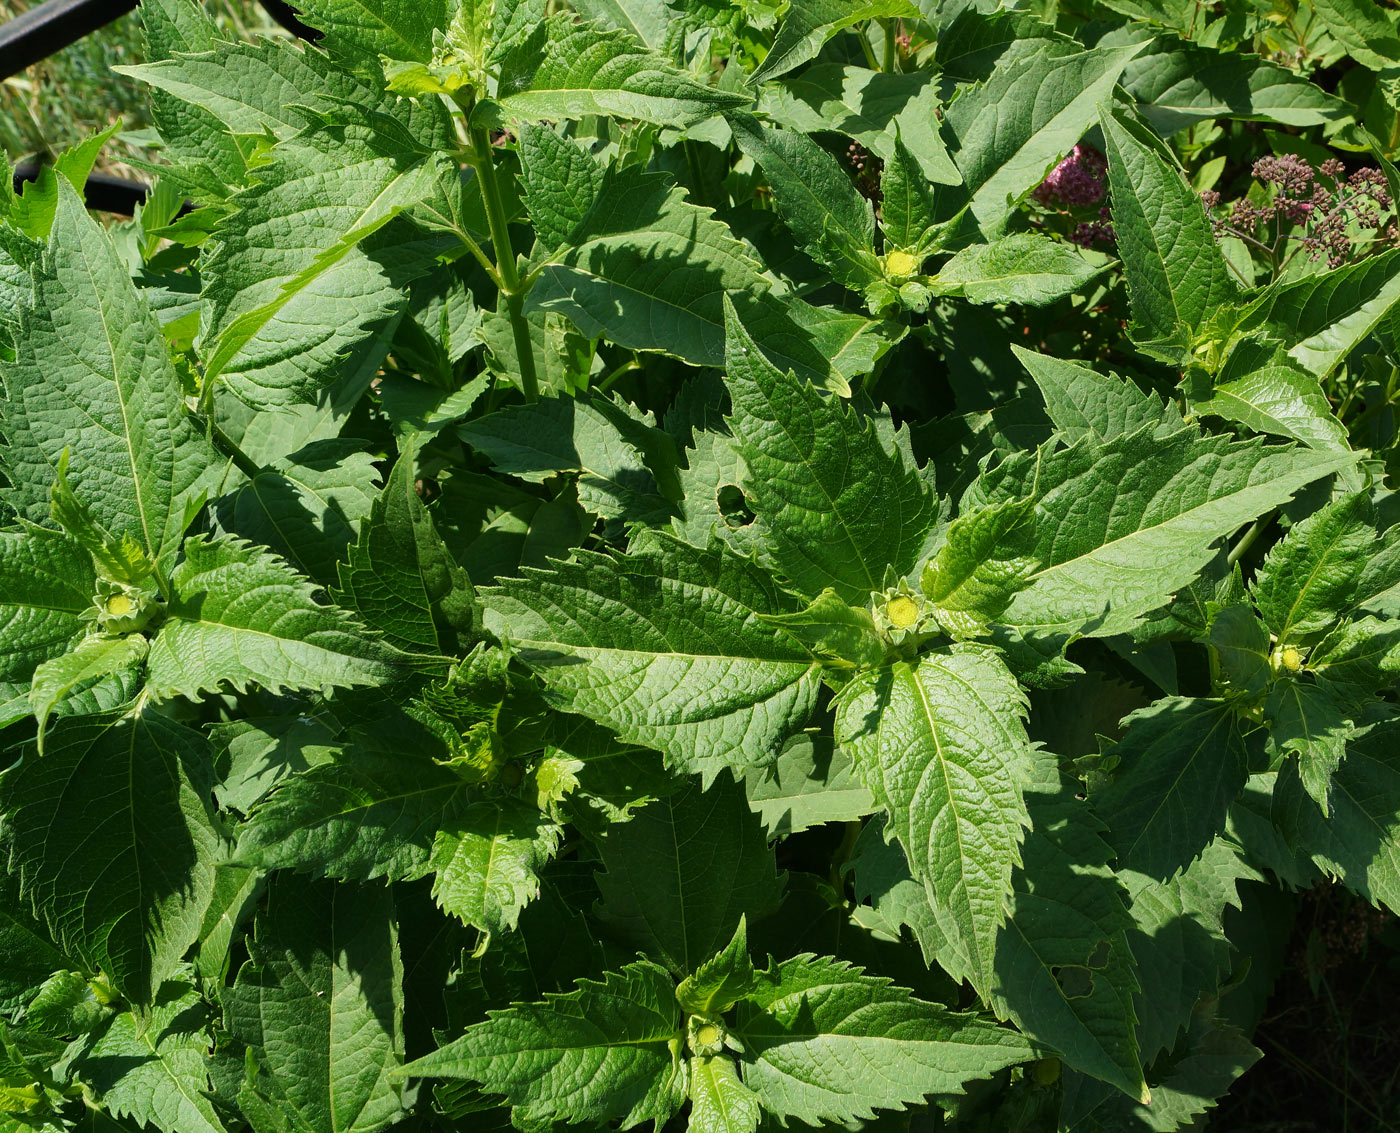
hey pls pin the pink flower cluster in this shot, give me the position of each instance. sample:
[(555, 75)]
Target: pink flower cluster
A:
[(1077, 181)]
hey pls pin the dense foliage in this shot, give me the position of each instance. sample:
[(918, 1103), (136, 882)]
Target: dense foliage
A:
[(722, 563)]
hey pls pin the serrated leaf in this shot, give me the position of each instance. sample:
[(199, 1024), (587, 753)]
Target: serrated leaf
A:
[(667, 650), (1064, 971), (908, 212), (1013, 128), (943, 749), (1241, 643), (400, 577), (968, 580), (1307, 580), (46, 585), (237, 614), (678, 907), (833, 630), (93, 375), (809, 1020), (608, 1050), (1119, 526), (488, 862), (1359, 841), (1306, 718), (1082, 402), (321, 1002), (1182, 762), (825, 213), (1264, 389), (812, 782), (837, 508), (1024, 267), (571, 70), (722, 980), (154, 1069), (295, 278), (121, 798), (810, 23), (90, 660), (1358, 657), (719, 1100), (560, 180), (358, 32), (1177, 278), (30, 955)]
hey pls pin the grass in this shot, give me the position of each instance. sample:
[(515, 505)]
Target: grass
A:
[(74, 93)]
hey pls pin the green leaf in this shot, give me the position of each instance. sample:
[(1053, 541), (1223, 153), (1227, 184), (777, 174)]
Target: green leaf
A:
[(121, 798), (304, 506), (92, 375), (1012, 129), (879, 109), (1064, 971), (237, 614), (810, 1021), (360, 32), (1182, 762), (296, 278), (1359, 842), (813, 782), (1178, 942), (682, 873), (968, 581), (571, 70), (1306, 719), (606, 1051), (1241, 642), (1178, 83), (46, 586), (1103, 511), (1359, 657), (810, 23), (722, 980), (837, 507), (646, 21), (91, 659), (488, 862), (822, 208), (321, 1002), (1363, 29), (943, 749), (908, 212), (29, 954), (666, 649), (719, 1100), (648, 270), (1082, 402), (1309, 577), (832, 630), (1177, 277), (154, 1069), (1264, 389), (561, 183), (1024, 267), (612, 447), (400, 577)]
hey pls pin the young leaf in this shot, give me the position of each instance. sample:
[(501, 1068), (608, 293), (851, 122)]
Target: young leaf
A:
[(838, 509), (968, 581), (907, 209), (320, 1001), (155, 1069), (831, 629), (93, 376), (1013, 128), (561, 182), (1104, 511), (360, 33), (1024, 268), (606, 1051), (400, 577), (810, 1021), (1177, 278), (719, 1100), (828, 217), (1182, 762), (666, 649), (239, 615), (1064, 971), (46, 585), (1309, 577), (680, 910), (1263, 388), (721, 981), (571, 70), (810, 23), (93, 658), (942, 747), (1082, 402), (121, 798), (1307, 719)]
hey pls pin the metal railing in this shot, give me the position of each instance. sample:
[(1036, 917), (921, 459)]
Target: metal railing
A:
[(55, 24)]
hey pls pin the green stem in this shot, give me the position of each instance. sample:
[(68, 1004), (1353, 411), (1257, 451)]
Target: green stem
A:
[(613, 375), (870, 59), (890, 57), (229, 447), (1247, 539), (485, 167)]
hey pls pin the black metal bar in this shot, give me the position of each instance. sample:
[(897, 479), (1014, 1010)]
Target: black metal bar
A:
[(52, 26), (102, 191), (286, 15)]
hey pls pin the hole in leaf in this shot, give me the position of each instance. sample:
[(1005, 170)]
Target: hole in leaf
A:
[(1075, 982), (1098, 958), (733, 507)]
